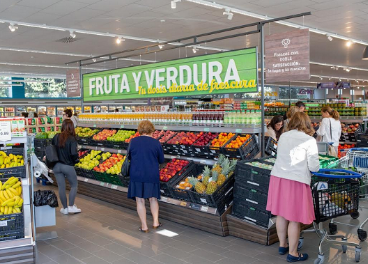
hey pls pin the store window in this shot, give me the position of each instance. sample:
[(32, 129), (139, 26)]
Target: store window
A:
[(44, 88), (5, 87)]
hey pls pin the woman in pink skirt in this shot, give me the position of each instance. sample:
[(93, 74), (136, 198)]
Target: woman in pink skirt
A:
[(289, 194)]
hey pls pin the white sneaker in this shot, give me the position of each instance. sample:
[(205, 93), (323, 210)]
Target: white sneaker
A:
[(64, 211), (74, 209)]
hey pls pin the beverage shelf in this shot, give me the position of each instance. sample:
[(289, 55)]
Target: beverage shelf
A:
[(197, 207), (248, 130)]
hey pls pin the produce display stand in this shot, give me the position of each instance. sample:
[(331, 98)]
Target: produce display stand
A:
[(21, 250)]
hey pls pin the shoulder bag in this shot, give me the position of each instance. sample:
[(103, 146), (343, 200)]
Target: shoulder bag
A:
[(126, 164), (331, 149), (52, 156)]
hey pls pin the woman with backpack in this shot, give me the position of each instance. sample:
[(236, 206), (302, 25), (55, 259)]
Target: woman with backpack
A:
[(66, 147)]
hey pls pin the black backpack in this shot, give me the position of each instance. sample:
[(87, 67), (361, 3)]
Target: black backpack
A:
[(52, 156)]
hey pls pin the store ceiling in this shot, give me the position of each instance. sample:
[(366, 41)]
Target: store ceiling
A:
[(143, 18)]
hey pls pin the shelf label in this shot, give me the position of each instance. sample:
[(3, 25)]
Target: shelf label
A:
[(102, 184), (85, 180), (202, 162), (3, 223), (114, 187), (198, 150), (102, 149), (204, 208), (122, 126), (5, 131), (173, 157), (183, 203), (94, 125), (164, 128), (119, 150), (238, 130), (203, 200), (184, 151), (206, 129)]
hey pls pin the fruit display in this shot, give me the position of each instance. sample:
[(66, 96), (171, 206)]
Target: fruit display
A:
[(10, 196), (158, 134), (85, 131), (349, 128), (211, 179), (238, 141), (104, 134), (9, 161), (205, 138), (172, 168), (261, 165), (343, 149), (121, 135), (131, 137), (166, 136), (82, 152), (222, 139), (90, 160), (112, 165), (46, 135), (184, 138)]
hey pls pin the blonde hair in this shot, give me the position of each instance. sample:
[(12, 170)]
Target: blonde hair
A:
[(146, 127), (301, 122), (332, 112), (292, 111)]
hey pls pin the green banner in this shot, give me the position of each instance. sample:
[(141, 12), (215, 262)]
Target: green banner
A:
[(226, 72)]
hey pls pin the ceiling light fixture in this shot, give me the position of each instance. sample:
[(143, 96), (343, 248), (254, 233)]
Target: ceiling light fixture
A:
[(13, 27), (336, 67), (349, 43), (72, 34), (161, 46), (365, 53), (348, 69), (119, 40), (195, 50), (173, 3), (94, 59), (329, 37), (228, 14)]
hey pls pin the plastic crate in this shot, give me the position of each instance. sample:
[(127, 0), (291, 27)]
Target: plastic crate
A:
[(248, 175), (250, 197), (12, 222), (41, 143), (251, 155), (83, 140), (218, 150), (11, 235), (184, 194), (106, 177), (19, 171), (252, 214), (271, 146), (244, 149), (123, 181)]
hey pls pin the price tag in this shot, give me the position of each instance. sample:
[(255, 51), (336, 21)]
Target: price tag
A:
[(119, 150), (183, 203), (102, 184), (203, 161), (102, 149), (213, 151), (206, 129), (164, 128), (204, 208), (114, 187), (203, 200), (185, 151), (182, 146), (238, 130), (5, 131), (3, 223), (173, 157), (198, 150), (94, 125), (122, 126), (85, 180)]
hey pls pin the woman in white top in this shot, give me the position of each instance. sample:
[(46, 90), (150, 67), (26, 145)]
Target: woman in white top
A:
[(275, 127), (289, 193), (330, 128)]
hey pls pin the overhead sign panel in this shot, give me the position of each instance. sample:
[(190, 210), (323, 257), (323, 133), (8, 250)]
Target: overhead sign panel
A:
[(73, 83), (287, 56), (226, 72), (333, 85)]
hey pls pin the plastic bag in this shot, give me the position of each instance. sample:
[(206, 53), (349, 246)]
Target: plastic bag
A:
[(47, 197), (40, 168)]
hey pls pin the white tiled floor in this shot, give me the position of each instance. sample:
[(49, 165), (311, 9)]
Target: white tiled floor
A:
[(105, 233)]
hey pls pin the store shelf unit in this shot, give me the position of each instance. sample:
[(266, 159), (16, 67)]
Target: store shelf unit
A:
[(43, 124)]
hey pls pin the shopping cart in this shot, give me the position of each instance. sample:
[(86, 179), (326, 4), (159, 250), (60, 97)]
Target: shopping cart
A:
[(335, 193), (355, 159)]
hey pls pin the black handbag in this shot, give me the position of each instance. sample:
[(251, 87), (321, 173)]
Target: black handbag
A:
[(52, 156), (126, 164)]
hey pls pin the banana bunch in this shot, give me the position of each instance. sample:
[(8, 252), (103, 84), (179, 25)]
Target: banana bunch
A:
[(10, 192), (10, 161)]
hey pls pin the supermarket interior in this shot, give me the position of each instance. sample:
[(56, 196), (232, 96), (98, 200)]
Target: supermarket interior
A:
[(215, 79)]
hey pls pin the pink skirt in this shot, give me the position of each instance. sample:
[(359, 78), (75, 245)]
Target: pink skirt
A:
[(291, 200)]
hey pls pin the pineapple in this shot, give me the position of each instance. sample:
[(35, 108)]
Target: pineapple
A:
[(224, 172), (232, 167), (206, 175), (198, 186), (217, 167), (212, 186)]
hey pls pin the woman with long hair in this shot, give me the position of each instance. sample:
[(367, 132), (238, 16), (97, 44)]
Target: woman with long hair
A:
[(289, 193), (66, 146), (275, 127), (145, 154), (330, 128), (290, 113)]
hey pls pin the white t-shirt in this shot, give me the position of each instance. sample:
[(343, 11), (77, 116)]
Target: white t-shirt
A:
[(325, 132), (297, 156)]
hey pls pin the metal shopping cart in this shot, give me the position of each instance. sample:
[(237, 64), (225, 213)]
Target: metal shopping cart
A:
[(355, 159), (335, 193)]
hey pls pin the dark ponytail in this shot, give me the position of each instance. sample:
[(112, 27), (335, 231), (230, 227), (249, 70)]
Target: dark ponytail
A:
[(67, 129)]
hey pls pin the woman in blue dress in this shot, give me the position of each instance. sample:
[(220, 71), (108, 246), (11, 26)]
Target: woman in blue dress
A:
[(145, 154)]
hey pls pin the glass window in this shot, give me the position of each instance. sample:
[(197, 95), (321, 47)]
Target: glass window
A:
[(44, 88)]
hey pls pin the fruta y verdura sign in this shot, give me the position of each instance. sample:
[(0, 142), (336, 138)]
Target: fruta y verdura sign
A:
[(226, 72)]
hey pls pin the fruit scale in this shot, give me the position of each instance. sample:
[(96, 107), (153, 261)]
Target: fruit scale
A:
[(335, 193)]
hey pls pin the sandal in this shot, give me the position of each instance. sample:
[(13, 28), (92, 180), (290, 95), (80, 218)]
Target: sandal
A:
[(143, 231), (283, 250), (155, 227), (300, 257)]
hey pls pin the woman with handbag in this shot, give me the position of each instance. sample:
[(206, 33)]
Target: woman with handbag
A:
[(330, 128), (66, 147), (145, 154)]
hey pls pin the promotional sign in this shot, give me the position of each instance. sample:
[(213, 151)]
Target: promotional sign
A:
[(5, 131), (305, 91), (287, 56), (226, 72), (333, 85), (73, 83)]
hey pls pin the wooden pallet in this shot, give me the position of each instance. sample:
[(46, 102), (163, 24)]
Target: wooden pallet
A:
[(21, 255)]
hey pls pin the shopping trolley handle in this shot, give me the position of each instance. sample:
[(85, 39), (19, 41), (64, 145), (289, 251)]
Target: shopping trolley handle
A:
[(322, 173), (358, 149)]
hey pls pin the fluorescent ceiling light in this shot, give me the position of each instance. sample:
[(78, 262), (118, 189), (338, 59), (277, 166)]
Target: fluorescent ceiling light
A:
[(161, 46), (72, 34), (195, 50), (173, 3), (333, 66), (48, 66), (13, 27), (349, 43), (329, 37), (228, 14), (119, 40)]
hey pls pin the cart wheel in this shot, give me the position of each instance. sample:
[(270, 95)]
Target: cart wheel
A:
[(362, 234), (354, 215), (357, 254), (320, 260), (332, 228), (301, 242)]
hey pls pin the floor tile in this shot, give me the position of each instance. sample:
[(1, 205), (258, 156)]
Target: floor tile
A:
[(94, 260), (167, 259), (118, 249), (193, 259), (78, 253), (66, 259), (50, 251), (98, 240), (61, 244), (206, 255), (90, 247), (137, 257), (107, 255)]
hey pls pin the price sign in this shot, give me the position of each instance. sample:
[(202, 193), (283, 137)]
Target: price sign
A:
[(204, 208), (94, 125), (122, 126), (3, 223), (206, 129), (85, 180), (239, 130), (119, 150), (5, 131), (183, 203), (164, 128), (114, 187), (102, 184), (102, 149)]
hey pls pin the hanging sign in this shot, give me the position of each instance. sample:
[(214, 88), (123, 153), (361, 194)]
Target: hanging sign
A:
[(333, 85), (73, 83), (5, 131), (221, 73), (287, 56)]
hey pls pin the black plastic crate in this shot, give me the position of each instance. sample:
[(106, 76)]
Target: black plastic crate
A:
[(40, 154), (41, 143), (243, 150), (251, 175), (19, 171), (251, 155), (362, 140), (180, 194), (12, 222), (271, 146), (11, 235), (250, 197), (218, 150), (252, 214)]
